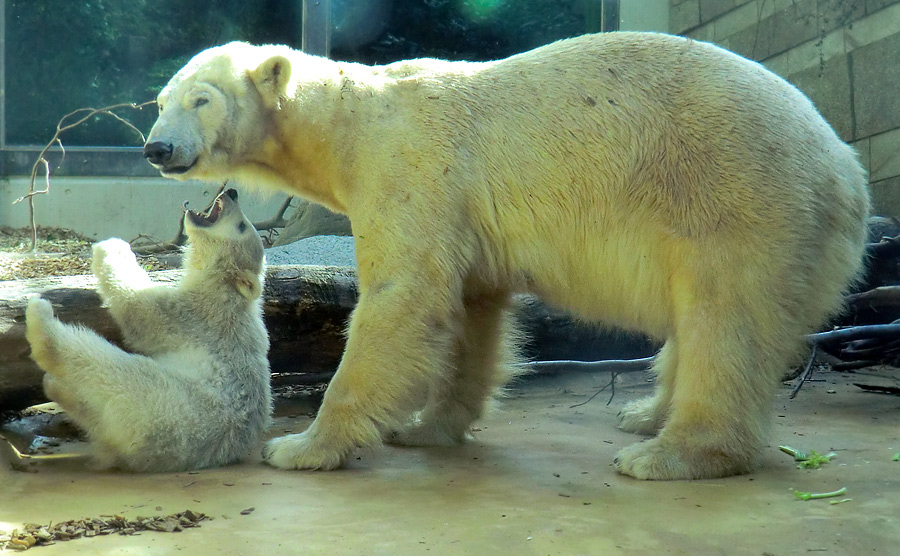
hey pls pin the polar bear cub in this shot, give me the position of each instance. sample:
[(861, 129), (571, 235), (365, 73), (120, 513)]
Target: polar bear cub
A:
[(198, 394)]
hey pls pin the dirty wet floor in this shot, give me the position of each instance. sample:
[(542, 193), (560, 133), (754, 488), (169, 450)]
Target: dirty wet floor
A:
[(537, 480)]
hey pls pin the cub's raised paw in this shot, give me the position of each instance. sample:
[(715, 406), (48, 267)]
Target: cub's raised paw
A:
[(38, 311), (301, 451), (117, 269), (112, 249), (641, 417), (655, 460), (39, 321)]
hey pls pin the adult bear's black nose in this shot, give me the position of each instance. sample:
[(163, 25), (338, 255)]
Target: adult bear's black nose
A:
[(158, 152)]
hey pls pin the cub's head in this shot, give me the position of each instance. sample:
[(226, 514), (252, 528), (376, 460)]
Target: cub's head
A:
[(223, 243), (213, 113)]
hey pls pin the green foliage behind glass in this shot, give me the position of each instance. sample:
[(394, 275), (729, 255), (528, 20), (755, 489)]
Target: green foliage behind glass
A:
[(63, 55), (466, 29)]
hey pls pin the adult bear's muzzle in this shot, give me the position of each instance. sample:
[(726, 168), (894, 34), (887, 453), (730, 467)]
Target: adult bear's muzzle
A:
[(158, 152)]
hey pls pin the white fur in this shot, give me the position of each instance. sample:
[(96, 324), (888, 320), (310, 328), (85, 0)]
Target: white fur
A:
[(642, 180), (198, 393)]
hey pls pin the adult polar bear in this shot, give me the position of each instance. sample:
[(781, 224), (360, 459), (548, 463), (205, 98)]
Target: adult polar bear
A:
[(642, 180)]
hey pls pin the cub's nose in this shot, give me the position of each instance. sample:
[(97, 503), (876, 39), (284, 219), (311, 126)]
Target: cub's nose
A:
[(158, 152), (233, 194)]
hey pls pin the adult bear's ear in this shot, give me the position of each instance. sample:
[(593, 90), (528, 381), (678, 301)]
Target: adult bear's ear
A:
[(248, 285), (271, 79)]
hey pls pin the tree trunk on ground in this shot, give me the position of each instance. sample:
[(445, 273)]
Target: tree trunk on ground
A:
[(306, 310)]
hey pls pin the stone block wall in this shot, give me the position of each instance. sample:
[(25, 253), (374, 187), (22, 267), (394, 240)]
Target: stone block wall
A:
[(844, 54)]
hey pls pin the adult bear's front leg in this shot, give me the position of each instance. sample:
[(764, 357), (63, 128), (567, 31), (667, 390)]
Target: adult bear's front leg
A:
[(400, 341)]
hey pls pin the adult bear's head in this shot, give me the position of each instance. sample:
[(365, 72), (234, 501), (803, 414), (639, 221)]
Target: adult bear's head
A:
[(214, 113)]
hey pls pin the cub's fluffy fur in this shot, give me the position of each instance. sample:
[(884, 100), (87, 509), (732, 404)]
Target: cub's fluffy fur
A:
[(197, 394)]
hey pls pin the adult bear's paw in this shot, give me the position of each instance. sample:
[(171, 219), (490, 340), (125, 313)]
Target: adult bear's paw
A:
[(302, 451), (658, 460), (642, 417), (422, 434)]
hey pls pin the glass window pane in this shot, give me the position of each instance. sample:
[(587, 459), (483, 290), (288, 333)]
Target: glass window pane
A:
[(66, 55), (382, 31)]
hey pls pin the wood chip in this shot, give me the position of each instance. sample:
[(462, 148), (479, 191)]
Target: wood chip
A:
[(39, 535)]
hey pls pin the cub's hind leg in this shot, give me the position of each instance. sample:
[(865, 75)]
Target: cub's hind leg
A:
[(58, 348), (485, 352), (85, 373)]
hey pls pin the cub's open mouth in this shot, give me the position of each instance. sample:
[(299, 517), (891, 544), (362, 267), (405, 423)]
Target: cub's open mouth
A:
[(207, 217)]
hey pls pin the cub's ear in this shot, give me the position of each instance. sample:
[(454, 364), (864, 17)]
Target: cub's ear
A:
[(248, 285), (271, 79)]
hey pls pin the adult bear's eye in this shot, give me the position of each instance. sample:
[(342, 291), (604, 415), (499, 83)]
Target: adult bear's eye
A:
[(242, 227), (200, 102)]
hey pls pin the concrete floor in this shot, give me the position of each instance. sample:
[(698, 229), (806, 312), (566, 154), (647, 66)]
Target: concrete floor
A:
[(537, 480)]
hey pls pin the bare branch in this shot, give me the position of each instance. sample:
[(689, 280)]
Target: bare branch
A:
[(884, 295), (62, 127), (160, 247), (807, 372), (278, 220), (614, 366), (129, 125)]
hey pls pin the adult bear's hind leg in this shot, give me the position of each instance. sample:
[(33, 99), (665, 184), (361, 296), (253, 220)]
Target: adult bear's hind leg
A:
[(483, 360), (733, 344), (648, 415)]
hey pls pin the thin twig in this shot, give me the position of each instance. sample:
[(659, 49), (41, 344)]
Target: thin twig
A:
[(272, 224), (807, 372), (612, 384), (613, 366), (62, 127)]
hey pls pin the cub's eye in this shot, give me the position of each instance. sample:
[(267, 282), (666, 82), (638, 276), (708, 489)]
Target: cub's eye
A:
[(159, 104), (242, 227), (200, 102)]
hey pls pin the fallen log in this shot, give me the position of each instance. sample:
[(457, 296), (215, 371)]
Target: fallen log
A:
[(306, 309)]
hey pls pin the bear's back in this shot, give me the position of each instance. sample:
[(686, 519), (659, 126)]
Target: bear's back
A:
[(700, 134)]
